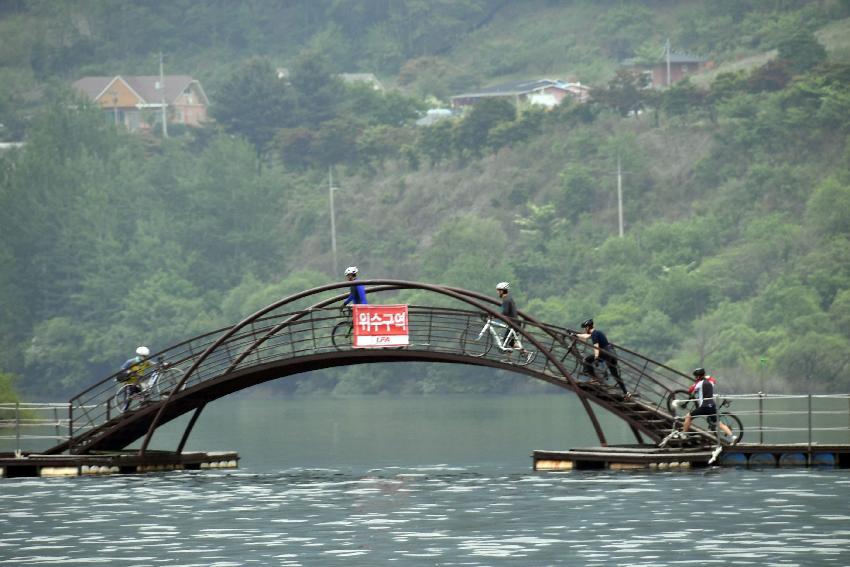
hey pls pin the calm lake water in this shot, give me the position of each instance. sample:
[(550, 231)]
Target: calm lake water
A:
[(421, 481)]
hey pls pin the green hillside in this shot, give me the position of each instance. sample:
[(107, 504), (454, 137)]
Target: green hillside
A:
[(736, 186)]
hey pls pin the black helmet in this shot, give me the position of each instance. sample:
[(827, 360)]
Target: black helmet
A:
[(588, 323), (699, 372)]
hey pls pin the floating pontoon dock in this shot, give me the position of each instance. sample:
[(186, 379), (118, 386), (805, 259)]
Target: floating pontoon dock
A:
[(129, 462), (741, 455)]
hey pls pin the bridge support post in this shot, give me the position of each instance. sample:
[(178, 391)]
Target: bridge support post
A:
[(189, 428)]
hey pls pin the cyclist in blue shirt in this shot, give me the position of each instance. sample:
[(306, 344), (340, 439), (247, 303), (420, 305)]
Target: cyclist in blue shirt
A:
[(358, 292)]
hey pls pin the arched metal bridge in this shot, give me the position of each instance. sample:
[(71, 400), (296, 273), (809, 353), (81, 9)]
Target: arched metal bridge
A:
[(296, 334)]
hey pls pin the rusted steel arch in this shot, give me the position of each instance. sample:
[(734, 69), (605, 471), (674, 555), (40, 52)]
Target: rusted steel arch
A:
[(135, 424), (464, 296), (558, 336), (118, 433)]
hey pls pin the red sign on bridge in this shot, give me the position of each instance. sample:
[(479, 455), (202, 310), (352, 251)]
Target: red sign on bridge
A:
[(377, 326)]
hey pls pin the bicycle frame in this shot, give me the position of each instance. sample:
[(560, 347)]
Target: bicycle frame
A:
[(714, 430), (511, 338), (146, 387)]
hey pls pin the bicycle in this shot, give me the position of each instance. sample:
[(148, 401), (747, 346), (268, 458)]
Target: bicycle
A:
[(681, 402), (478, 345), (342, 331), (146, 389)]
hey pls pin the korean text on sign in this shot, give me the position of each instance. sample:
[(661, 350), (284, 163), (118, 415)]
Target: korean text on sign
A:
[(377, 326)]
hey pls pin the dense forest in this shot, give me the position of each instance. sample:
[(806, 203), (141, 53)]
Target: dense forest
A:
[(736, 251)]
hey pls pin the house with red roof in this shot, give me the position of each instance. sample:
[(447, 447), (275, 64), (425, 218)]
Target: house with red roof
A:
[(137, 101)]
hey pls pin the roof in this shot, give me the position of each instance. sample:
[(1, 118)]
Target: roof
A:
[(682, 58), (143, 85), (354, 77), (512, 89)]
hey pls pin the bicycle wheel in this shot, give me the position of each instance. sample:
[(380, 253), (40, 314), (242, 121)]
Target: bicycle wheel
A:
[(471, 345), (733, 423), (167, 381), (341, 335), (684, 402), (124, 398)]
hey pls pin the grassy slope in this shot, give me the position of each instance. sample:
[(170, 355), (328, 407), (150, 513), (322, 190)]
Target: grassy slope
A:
[(834, 36)]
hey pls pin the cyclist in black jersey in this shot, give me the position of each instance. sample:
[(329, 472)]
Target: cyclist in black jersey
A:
[(703, 391), (603, 351), (509, 310)]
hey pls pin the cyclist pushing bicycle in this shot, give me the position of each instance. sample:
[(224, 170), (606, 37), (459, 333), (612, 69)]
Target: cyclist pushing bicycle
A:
[(135, 368), (509, 310), (702, 391)]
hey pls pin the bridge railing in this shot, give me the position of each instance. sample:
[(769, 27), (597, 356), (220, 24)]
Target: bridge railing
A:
[(645, 378), (27, 422), (803, 419), (276, 338)]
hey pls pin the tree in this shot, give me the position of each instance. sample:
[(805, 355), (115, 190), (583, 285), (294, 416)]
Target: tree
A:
[(317, 91), (771, 77), (436, 142), (375, 107), (826, 268), (815, 362), (336, 141), (623, 28), (839, 312), (801, 49), (295, 146), (541, 222), (56, 357), (474, 129), (527, 125), (682, 99), (577, 186), (7, 390), (724, 86), (680, 294), (376, 144), (468, 252), (625, 93), (787, 303), (828, 209), (253, 103)]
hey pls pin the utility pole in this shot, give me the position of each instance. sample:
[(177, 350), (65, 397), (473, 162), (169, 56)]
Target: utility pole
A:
[(620, 194), (331, 190), (162, 98), (667, 53)]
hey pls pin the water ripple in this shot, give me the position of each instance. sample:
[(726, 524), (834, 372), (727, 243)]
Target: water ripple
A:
[(429, 515)]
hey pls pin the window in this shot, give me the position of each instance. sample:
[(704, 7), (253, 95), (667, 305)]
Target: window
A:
[(133, 119)]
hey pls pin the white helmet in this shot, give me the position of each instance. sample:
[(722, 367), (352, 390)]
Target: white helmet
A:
[(143, 351), (503, 286), (351, 271)]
